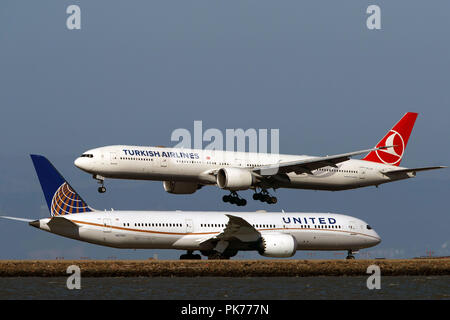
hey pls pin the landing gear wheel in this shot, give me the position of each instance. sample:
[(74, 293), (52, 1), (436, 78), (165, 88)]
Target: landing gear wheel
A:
[(100, 181), (264, 196), (241, 202), (218, 256), (234, 198), (190, 256)]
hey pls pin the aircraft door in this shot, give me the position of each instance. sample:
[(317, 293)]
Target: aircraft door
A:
[(163, 162), (113, 157), (352, 226), (106, 225), (189, 226), (362, 173)]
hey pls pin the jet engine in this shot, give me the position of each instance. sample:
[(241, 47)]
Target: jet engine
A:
[(180, 187), (234, 179), (278, 246)]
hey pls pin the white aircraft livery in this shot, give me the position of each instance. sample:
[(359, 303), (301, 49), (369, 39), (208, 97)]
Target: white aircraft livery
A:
[(184, 171), (217, 235)]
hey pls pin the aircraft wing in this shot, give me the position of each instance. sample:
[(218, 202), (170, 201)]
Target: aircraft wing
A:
[(237, 228), (308, 165), (412, 170), (18, 219)]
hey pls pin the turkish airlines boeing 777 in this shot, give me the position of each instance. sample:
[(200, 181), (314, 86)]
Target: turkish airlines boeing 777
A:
[(184, 171), (217, 235)]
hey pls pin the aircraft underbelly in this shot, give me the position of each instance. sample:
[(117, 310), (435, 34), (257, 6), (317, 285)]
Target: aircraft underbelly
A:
[(155, 176), (325, 240), (126, 240), (330, 183)]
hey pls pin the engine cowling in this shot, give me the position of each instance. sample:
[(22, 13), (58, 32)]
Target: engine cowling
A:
[(278, 246), (180, 187), (234, 179)]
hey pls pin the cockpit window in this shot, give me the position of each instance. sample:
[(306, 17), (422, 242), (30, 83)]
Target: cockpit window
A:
[(369, 227), (87, 155)]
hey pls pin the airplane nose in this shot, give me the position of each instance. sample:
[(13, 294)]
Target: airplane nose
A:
[(377, 239), (77, 163), (83, 164)]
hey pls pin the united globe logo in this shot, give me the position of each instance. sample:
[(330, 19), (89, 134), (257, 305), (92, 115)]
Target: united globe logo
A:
[(67, 201)]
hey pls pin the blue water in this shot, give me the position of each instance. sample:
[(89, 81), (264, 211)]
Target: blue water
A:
[(405, 287)]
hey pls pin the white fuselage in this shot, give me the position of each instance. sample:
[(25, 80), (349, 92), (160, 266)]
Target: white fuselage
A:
[(198, 166), (188, 230)]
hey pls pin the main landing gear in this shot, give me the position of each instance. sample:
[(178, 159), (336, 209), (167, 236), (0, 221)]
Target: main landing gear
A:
[(100, 180), (190, 256), (218, 256), (350, 255), (234, 198), (264, 196), (215, 255)]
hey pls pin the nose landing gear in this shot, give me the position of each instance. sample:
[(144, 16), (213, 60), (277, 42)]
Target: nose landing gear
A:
[(350, 255), (264, 196), (100, 180), (234, 198)]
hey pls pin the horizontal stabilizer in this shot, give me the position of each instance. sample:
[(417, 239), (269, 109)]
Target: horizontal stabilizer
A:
[(413, 170)]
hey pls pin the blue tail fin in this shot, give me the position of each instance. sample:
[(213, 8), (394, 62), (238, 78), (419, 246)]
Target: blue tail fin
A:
[(60, 196)]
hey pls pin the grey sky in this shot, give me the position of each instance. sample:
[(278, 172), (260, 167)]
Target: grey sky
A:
[(139, 69)]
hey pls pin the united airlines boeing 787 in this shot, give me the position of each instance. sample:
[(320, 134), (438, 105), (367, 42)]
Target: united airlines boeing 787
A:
[(217, 235), (185, 171)]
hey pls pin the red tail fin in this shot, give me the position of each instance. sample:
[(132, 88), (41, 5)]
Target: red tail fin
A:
[(397, 137)]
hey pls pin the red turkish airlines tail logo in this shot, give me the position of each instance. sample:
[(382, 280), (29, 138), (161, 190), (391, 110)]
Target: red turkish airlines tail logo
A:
[(396, 140)]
